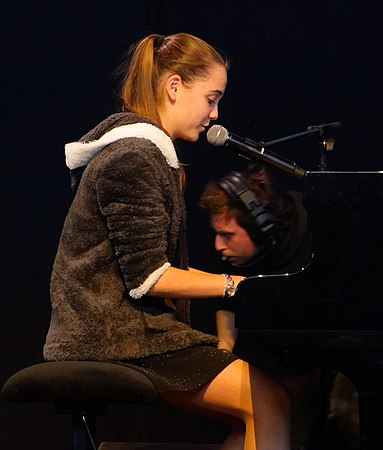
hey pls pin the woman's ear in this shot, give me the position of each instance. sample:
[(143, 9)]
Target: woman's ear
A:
[(172, 85)]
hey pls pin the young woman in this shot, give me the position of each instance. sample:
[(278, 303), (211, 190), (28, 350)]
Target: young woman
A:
[(120, 276)]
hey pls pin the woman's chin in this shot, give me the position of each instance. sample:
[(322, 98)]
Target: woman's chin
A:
[(190, 138)]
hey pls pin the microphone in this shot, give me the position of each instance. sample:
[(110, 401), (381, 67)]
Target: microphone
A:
[(219, 136)]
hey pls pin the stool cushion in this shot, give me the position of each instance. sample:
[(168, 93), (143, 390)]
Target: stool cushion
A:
[(79, 381)]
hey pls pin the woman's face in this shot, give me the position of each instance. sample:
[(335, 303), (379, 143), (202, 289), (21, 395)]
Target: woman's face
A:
[(193, 106)]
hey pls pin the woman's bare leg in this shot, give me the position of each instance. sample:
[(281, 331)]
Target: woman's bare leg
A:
[(244, 392)]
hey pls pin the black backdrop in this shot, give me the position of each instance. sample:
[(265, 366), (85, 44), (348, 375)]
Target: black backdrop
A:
[(294, 64)]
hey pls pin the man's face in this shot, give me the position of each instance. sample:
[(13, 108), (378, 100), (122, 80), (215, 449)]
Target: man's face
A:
[(231, 240)]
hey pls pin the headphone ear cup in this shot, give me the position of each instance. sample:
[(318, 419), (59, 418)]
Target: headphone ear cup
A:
[(263, 226)]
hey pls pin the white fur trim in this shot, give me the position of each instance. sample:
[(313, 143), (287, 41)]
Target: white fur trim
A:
[(149, 282), (78, 154)]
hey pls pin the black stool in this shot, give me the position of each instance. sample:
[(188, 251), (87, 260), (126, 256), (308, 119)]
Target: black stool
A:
[(82, 389)]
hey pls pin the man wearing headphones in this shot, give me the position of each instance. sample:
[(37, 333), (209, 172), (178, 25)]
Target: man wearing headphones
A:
[(261, 231)]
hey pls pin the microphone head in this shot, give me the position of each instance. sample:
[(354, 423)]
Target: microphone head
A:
[(217, 135)]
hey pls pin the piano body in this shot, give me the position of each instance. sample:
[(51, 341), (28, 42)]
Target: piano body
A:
[(330, 312)]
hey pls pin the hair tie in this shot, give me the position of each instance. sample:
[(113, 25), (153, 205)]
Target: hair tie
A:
[(158, 42)]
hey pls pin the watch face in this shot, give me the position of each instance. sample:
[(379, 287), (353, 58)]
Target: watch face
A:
[(230, 291)]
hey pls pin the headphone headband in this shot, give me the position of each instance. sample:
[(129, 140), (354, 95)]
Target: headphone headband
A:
[(263, 228)]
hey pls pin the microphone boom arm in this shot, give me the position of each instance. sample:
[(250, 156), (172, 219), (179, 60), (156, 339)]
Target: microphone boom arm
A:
[(289, 138), (311, 131)]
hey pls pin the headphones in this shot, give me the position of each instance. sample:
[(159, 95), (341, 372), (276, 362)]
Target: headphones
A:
[(263, 227)]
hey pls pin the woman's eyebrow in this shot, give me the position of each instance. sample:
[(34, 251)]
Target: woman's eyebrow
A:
[(216, 91)]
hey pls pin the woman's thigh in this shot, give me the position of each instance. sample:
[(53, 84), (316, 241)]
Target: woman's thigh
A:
[(233, 392)]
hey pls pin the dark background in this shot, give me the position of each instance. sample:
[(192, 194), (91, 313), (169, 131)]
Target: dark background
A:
[(293, 64)]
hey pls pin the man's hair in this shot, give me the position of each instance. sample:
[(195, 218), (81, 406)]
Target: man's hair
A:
[(215, 199)]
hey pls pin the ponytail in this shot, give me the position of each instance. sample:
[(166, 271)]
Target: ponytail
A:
[(137, 92)]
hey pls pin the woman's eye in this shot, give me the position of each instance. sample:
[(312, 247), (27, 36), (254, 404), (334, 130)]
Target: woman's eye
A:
[(210, 101)]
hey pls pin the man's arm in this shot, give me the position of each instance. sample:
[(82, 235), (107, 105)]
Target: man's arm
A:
[(226, 331)]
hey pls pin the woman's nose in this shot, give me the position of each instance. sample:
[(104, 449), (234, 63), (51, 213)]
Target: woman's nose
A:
[(214, 113)]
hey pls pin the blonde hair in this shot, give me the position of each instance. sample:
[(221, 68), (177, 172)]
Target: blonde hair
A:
[(155, 57)]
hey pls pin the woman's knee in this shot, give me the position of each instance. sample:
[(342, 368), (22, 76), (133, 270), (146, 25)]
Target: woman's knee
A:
[(283, 396)]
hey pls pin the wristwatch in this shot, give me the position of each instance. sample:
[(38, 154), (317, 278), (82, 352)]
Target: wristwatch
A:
[(229, 288)]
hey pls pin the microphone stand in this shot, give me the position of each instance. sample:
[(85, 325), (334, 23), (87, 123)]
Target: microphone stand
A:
[(326, 141)]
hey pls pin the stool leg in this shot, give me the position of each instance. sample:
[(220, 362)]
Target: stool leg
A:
[(84, 426)]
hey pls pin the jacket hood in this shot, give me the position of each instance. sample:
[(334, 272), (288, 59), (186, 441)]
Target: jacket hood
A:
[(78, 154)]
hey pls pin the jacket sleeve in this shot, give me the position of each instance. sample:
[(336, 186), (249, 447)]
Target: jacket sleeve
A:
[(132, 191)]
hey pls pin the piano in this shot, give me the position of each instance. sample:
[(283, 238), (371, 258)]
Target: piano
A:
[(330, 312)]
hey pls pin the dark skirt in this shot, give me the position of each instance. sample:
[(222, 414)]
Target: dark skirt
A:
[(183, 370)]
